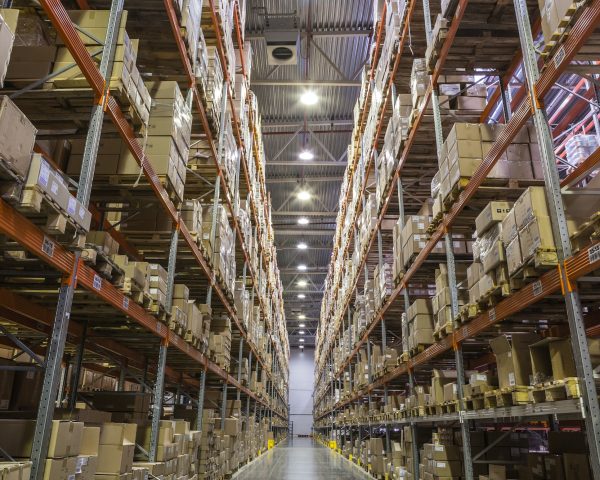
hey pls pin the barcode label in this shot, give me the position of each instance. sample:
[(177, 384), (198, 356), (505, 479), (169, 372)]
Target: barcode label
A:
[(594, 253), (159, 327), (492, 314), (126, 303), (48, 246), (559, 57), (97, 282), (538, 288)]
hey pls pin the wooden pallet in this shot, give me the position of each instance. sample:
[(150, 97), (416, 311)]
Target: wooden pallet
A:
[(94, 255), (507, 397), (44, 211), (443, 331), (555, 390), (450, 407), (468, 312), (475, 402), (586, 233), (535, 266)]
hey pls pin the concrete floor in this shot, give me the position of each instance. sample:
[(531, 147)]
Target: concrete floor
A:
[(300, 459)]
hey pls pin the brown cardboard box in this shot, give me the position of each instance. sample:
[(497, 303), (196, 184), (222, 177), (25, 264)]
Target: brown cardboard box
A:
[(115, 458), (554, 467), (576, 466), (536, 235), (531, 204), (509, 228), (447, 468), (562, 359), (446, 452), (60, 468), (118, 433), (65, 439), (514, 259), (512, 358), (450, 392), (537, 468), (17, 137), (494, 212), (90, 441), (86, 467), (497, 472), (567, 442)]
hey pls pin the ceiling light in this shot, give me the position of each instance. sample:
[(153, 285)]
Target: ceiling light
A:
[(306, 155), (301, 296), (302, 246), (302, 268), (301, 317), (302, 283), (303, 221), (301, 332), (302, 325), (302, 340), (303, 195), (301, 347), (309, 98)]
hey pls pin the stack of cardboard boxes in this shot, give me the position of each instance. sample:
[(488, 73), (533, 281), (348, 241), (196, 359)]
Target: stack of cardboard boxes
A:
[(7, 38), (527, 232), (16, 144), (419, 81), (116, 450), (489, 269), (420, 323), (222, 252), (442, 300), (377, 456), (220, 341), (126, 83)]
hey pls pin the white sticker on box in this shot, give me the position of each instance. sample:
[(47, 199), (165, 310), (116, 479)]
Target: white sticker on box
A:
[(54, 188), (511, 379), (440, 464), (594, 253), (44, 174), (71, 206), (439, 448), (81, 212)]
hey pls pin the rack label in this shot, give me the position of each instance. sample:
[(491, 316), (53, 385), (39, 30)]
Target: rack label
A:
[(159, 327), (559, 57), (492, 314), (594, 253), (538, 288), (126, 303), (97, 284), (48, 246)]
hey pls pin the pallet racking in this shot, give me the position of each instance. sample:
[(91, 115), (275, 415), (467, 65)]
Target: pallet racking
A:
[(489, 55), (89, 309)]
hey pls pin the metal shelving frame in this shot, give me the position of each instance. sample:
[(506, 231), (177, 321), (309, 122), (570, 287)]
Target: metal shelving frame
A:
[(76, 274), (562, 280)]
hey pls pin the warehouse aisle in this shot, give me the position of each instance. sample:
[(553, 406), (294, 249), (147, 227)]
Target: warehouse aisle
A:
[(303, 459)]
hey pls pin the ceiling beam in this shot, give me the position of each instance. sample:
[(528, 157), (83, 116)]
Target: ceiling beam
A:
[(300, 232), (316, 33), (273, 181), (312, 163), (305, 214), (311, 123), (308, 83)]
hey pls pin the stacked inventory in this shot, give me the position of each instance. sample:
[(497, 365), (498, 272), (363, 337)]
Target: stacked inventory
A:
[(106, 221), (486, 334)]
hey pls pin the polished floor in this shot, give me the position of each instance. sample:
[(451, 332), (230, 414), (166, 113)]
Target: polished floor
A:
[(300, 459)]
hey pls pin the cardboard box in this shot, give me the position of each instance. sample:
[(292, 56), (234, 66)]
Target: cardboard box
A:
[(536, 466), (447, 468), (17, 137), (531, 204), (509, 228), (512, 358), (118, 433), (6, 387), (86, 467), (493, 213), (536, 235), (60, 468), (446, 452), (115, 458), (514, 259), (576, 466), (496, 472), (554, 467)]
